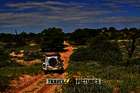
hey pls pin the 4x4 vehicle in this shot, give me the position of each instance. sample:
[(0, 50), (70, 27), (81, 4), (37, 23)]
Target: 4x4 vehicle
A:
[(53, 63)]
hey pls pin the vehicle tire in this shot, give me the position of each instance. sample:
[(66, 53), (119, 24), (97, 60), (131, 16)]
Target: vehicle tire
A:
[(46, 72), (61, 71)]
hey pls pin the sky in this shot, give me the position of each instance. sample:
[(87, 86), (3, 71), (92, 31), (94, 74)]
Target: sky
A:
[(36, 15)]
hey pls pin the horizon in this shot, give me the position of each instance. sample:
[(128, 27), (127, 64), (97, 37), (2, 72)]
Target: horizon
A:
[(36, 15), (19, 32)]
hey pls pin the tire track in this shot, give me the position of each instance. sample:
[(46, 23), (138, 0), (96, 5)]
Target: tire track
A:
[(65, 56), (38, 85)]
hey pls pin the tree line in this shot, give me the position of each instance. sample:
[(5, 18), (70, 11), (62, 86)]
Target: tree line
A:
[(51, 39)]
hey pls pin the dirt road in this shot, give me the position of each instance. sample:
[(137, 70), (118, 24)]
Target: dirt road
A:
[(39, 85), (65, 56)]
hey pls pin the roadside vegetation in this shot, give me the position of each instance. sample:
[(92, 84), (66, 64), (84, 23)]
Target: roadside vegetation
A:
[(10, 70), (9, 73), (111, 56)]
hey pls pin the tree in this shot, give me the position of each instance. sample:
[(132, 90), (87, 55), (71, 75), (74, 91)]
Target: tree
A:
[(101, 50), (104, 50), (4, 57), (20, 39), (131, 35), (8, 38), (81, 36), (52, 39)]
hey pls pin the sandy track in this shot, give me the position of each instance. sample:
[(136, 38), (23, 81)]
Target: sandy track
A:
[(39, 85), (51, 88)]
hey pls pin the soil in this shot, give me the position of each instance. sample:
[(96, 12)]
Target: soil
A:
[(37, 83)]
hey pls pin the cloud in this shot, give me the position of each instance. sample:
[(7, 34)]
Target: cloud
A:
[(112, 20), (120, 19), (47, 4), (123, 1), (21, 19), (54, 12), (134, 3)]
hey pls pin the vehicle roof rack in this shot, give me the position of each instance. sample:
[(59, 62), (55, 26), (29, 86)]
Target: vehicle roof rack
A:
[(52, 54)]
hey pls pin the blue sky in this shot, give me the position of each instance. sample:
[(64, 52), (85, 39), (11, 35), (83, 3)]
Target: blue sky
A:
[(36, 15)]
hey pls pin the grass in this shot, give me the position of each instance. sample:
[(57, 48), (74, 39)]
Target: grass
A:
[(27, 48), (128, 76), (88, 88), (105, 72), (16, 71)]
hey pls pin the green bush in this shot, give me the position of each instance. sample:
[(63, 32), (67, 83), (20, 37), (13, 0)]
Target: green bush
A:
[(135, 61), (4, 57), (129, 85), (4, 83), (104, 53), (82, 54), (32, 55), (52, 40)]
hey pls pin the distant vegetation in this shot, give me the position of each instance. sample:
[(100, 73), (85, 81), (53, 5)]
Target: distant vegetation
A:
[(49, 39), (52, 39), (101, 50)]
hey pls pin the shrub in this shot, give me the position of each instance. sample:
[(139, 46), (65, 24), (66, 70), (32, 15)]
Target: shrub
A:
[(105, 52), (4, 58), (4, 83), (129, 85), (32, 55), (82, 54), (52, 39), (135, 61)]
